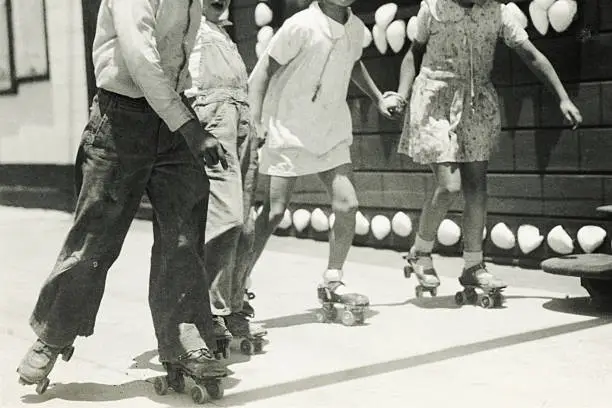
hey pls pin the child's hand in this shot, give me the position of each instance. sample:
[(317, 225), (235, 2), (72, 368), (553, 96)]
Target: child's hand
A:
[(571, 113), (392, 105)]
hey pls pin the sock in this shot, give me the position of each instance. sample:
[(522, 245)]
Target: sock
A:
[(332, 275), (420, 245), (472, 258)]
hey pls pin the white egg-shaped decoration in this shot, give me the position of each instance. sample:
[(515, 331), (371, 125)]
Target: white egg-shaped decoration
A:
[(502, 236), (539, 18), (590, 237), (385, 14), (544, 4), (449, 232), (301, 219), (362, 225), (401, 224), (529, 238), (319, 221), (265, 34), (381, 227), (412, 28), (396, 35), (263, 14), (561, 14), (559, 241), (380, 39)]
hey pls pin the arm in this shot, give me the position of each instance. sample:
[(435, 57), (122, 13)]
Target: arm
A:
[(361, 77), (543, 69), (258, 85), (135, 25), (409, 68)]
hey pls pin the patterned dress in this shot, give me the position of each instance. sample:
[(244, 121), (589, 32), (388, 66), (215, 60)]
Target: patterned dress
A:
[(454, 109)]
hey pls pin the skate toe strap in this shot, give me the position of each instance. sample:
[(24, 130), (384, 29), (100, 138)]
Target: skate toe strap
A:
[(354, 299)]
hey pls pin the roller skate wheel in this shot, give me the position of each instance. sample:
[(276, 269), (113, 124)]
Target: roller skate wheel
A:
[(321, 318), (348, 318), (434, 292), (486, 302), (67, 353), (161, 385), (418, 292), (407, 271), (214, 389), (41, 387), (258, 347), (198, 394), (246, 347), (360, 318), (459, 298), (471, 296)]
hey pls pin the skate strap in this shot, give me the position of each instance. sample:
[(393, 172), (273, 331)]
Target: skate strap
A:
[(194, 354), (249, 295), (333, 285)]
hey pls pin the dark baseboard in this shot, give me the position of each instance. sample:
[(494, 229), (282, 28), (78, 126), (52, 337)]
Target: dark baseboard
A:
[(44, 186)]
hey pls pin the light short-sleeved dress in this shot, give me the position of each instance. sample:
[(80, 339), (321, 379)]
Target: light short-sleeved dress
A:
[(454, 109), (309, 135)]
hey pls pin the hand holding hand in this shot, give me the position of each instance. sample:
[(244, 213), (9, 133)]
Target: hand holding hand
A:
[(392, 105)]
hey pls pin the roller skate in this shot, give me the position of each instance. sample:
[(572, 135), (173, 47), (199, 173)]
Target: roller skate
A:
[(38, 363), (480, 287), (202, 367), (420, 264), (247, 337), (354, 304), (223, 338)]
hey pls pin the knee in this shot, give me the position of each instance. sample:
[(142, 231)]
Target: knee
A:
[(448, 188), (345, 205)]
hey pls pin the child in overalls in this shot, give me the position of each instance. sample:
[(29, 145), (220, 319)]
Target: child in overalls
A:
[(453, 121), (220, 102), (298, 93)]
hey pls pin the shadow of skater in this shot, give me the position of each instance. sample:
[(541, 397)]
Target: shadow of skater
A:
[(307, 318)]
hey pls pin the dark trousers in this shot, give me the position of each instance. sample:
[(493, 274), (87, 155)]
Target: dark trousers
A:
[(127, 149)]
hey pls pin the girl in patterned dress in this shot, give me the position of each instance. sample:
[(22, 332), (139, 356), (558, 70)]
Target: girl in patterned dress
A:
[(453, 120)]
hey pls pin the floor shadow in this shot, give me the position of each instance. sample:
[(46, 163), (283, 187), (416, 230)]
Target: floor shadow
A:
[(582, 306), (306, 318), (94, 392), (327, 379)]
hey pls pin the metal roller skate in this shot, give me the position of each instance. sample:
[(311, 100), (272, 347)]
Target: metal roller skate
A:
[(38, 363), (202, 368), (246, 336), (427, 277), (355, 305), (480, 288)]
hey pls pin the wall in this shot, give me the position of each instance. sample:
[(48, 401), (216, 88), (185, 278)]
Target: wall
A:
[(543, 173), (41, 123)]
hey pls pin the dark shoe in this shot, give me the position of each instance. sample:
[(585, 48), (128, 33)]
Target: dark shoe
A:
[(240, 326), (479, 276), (201, 364)]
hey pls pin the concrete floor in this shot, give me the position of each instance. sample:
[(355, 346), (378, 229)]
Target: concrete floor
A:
[(546, 348)]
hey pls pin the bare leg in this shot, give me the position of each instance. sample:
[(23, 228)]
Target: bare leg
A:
[(277, 195), (344, 205)]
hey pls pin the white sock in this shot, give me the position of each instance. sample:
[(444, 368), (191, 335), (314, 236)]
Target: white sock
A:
[(472, 258), (420, 245)]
